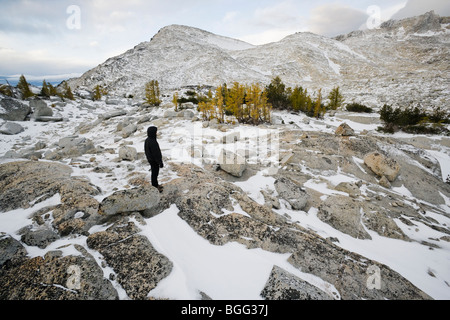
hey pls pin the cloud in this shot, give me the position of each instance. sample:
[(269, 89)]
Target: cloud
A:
[(419, 7), (335, 19), (230, 16), (281, 15), (32, 17), (36, 39), (272, 35), (39, 62), (268, 24)]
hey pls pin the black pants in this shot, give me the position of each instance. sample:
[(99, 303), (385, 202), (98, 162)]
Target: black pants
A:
[(155, 173)]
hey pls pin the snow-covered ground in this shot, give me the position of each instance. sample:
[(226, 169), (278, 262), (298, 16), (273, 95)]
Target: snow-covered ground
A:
[(229, 272)]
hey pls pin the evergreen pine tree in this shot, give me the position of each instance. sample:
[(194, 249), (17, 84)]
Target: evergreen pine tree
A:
[(276, 94), (175, 100), (99, 91), (299, 99), (152, 93), (45, 91), (336, 99), (67, 91), (24, 88), (235, 101), (52, 90), (319, 109), (6, 90), (220, 104)]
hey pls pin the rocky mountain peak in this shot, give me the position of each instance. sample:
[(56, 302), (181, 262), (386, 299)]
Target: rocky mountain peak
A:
[(180, 33), (429, 21), (374, 67)]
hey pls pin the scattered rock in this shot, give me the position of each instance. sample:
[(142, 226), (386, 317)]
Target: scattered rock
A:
[(345, 130), (133, 200), (232, 163), (187, 105), (292, 193), (40, 109), (138, 266), (384, 182), (382, 166), (383, 225), (276, 120), (127, 154), (112, 101), (13, 110), (39, 238), (56, 118), (40, 145), (283, 285), (76, 146), (54, 277), (129, 130), (287, 158), (26, 182), (351, 188), (170, 114), (112, 114), (354, 276), (343, 214), (270, 200), (11, 128), (188, 114), (11, 250), (231, 138), (16, 191)]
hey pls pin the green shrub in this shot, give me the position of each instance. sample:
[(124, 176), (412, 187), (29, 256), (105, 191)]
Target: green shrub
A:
[(99, 91), (357, 107), (413, 120)]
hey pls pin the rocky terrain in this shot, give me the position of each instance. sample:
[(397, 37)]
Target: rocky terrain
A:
[(317, 209), (401, 62), (298, 208)]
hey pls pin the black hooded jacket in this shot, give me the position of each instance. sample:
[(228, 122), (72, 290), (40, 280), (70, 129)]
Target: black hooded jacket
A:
[(152, 150)]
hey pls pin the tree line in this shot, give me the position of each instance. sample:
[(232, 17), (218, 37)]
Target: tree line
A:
[(47, 90), (253, 103)]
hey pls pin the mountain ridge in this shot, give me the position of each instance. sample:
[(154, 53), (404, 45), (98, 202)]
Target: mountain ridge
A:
[(384, 65)]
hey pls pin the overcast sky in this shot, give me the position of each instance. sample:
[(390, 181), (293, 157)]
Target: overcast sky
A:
[(53, 37)]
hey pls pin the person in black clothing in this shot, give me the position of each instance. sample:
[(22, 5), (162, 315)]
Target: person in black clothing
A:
[(154, 156)]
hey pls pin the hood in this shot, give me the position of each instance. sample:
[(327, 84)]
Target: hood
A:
[(151, 132)]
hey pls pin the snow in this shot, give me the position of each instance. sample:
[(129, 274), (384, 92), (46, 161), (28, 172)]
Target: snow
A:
[(318, 61), (336, 68), (228, 43), (233, 272), (444, 161), (14, 220), (410, 259), (230, 272), (255, 184)]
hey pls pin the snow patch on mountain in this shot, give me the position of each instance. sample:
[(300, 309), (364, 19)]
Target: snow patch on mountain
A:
[(401, 62)]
